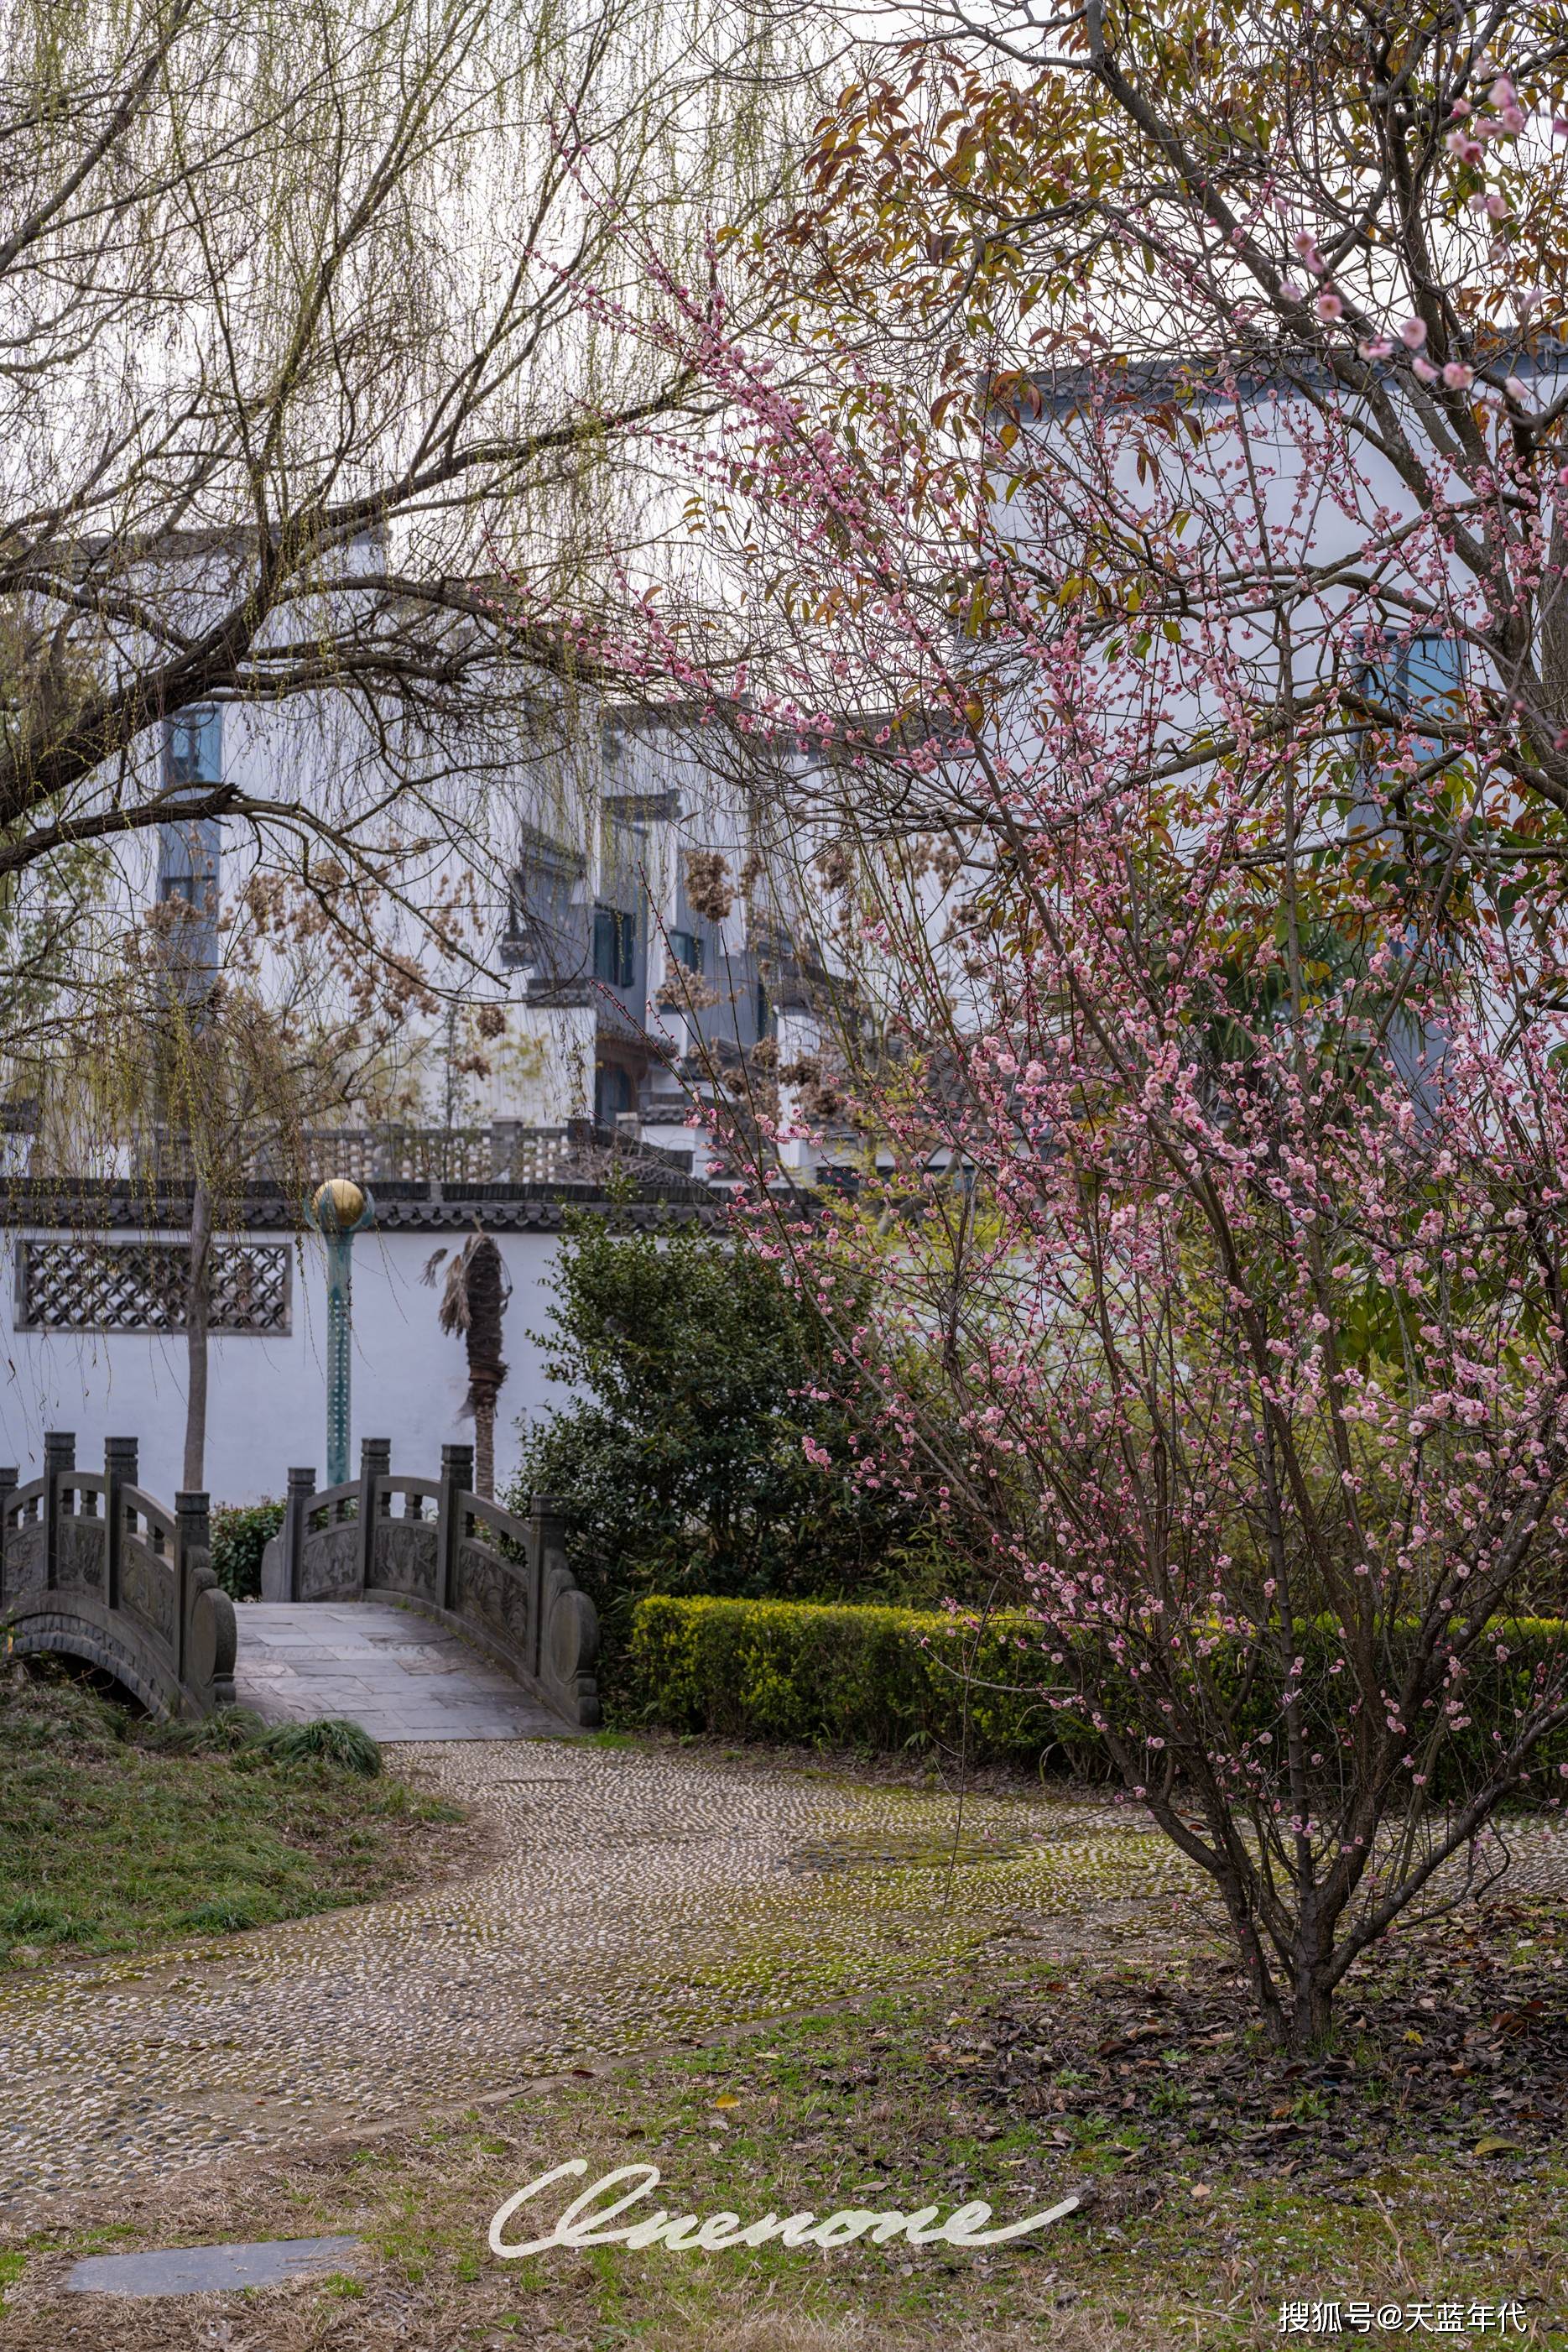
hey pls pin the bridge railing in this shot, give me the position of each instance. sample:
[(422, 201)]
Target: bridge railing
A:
[(92, 1566), (503, 1580)]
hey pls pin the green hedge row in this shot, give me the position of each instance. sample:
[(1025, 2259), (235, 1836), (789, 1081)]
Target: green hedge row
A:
[(837, 1675)]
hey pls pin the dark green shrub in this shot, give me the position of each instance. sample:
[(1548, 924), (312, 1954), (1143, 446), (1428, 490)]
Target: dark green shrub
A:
[(682, 1465), (240, 1535), (848, 1676)]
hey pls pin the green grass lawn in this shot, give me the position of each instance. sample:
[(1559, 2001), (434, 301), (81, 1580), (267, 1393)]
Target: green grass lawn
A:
[(114, 1837), (1187, 2236)]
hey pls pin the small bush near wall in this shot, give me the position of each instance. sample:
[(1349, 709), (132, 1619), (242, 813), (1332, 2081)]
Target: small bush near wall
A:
[(240, 1535), (681, 1462), (895, 1678)]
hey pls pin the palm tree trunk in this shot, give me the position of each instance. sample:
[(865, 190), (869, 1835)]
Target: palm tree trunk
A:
[(473, 1302), (485, 1451)]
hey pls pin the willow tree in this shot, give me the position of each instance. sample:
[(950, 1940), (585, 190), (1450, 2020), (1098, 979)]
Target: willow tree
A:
[(201, 1063), (293, 351)]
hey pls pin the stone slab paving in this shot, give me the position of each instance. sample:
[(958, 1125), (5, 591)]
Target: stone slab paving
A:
[(641, 1894), (211, 2270), (396, 1672)]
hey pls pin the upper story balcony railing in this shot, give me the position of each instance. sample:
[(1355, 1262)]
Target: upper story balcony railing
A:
[(579, 1152), (506, 1152)]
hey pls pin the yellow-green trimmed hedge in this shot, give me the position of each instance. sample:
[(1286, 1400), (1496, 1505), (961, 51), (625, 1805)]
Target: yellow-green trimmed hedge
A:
[(837, 1675)]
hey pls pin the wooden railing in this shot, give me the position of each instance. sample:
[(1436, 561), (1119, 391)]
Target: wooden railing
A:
[(93, 1567), (501, 1580)]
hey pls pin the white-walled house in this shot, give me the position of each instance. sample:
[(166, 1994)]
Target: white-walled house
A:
[(569, 856), (87, 1343), (570, 850)]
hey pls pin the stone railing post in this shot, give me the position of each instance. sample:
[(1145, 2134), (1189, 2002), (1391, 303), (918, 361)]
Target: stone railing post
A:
[(9, 1485), (567, 1626), (191, 1536), (457, 1480), (547, 1544), (119, 1470), (60, 1455), (375, 1463), (504, 1136), (301, 1486)]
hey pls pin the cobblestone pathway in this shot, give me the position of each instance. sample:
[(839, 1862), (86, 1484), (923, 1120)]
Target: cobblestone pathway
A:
[(641, 1894)]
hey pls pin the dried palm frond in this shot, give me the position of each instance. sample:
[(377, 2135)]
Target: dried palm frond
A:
[(473, 1301)]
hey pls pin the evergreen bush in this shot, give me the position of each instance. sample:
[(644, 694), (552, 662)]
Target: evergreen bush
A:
[(681, 1463), (240, 1534), (887, 1679)]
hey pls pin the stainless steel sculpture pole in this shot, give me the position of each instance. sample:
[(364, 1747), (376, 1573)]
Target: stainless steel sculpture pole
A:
[(339, 1209)]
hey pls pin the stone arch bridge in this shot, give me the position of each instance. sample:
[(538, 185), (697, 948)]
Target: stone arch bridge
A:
[(413, 1604)]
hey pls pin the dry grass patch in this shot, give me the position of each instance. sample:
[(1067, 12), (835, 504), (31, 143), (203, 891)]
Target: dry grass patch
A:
[(114, 1837)]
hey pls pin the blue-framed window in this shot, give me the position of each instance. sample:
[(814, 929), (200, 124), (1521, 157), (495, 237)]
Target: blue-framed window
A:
[(686, 948), (194, 746), (1422, 673), (615, 946), (190, 851), (190, 858), (548, 916), (614, 1094)]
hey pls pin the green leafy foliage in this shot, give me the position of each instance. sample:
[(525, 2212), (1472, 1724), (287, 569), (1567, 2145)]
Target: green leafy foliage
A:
[(681, 1464), (240, 1535), (847, 1676), (886, 1678)]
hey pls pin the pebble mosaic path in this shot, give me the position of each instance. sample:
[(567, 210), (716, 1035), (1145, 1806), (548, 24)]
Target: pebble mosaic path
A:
[(641, 1894)]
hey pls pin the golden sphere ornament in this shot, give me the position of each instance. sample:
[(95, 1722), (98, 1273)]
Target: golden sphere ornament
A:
[(338, 1205)]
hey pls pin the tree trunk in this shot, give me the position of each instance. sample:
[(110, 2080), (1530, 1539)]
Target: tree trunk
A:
[(486, 1293), (484, 1450), (198, 1307), (1554, 621), (1310, 2016)]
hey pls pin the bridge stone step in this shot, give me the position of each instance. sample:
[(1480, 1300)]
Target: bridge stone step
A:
[(390, 1670)]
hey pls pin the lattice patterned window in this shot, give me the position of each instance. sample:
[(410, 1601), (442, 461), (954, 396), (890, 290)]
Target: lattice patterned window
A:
[(72, 1284)]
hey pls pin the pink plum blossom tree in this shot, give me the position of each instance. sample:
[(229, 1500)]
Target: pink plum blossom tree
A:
[(1140, 552)]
